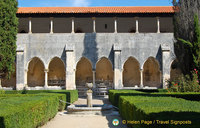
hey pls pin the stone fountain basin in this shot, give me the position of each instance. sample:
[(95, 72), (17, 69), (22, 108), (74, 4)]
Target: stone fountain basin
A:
[(81, 108)]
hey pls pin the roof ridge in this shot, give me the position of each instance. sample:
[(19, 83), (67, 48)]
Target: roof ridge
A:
[(115, 9), (98, 7)]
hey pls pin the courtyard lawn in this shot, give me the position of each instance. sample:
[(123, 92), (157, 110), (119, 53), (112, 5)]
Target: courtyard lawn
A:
[(32, 109), (159, 108)]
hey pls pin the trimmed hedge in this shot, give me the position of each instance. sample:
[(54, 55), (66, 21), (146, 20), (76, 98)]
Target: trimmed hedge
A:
[(28, 111), (115, 94), (139, 108), (193, 96), (71, 95)]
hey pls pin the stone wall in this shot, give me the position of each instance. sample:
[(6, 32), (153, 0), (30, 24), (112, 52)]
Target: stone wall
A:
[(95, 46)]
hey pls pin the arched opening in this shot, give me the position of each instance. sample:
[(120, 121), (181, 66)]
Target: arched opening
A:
[(78, 30), (10, 82), (23, 31), (151, 73), (56, 74), (175, 71), (131, 73), (83, 75), (104, 76), (132, 30), (36, 73)]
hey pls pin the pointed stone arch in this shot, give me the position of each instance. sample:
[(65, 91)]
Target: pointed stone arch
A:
[(83, 75), (151, 73), (175, 71), (56, 72), (131, 72), (104, 70), (10, 82), (36, 72)]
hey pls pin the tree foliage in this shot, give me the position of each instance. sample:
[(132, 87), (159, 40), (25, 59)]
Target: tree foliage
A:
[(184, 31), (8, 32), (194, 46)]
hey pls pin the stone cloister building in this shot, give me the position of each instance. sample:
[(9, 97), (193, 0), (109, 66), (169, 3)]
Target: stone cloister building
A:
[(112, 47)]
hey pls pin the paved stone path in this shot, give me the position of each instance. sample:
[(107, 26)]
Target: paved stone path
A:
[(86, 119)]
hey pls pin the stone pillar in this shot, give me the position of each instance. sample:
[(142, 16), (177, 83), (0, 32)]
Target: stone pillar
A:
[(46, 78), (89, 98), (94, 24), (117, 68), (51, 24), (30, 25), (115, 24), (70, 67), (141, 78), (26, 78), (165, 64), (158, 24), (136, 25), (73, 26), (94, 75), (20, 68)]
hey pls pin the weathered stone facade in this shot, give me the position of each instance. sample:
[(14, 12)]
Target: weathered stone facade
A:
[(148, 50), (119, 57)]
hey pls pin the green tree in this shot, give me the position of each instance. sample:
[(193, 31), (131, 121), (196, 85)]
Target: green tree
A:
[(8, 32), (194, 46), (184, 29)]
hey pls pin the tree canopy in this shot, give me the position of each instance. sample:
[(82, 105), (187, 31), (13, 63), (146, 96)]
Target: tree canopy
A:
[(8, 32), (184, 28)]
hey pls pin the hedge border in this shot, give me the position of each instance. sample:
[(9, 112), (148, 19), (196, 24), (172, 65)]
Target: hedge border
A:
[(140, 108), (30, 114)]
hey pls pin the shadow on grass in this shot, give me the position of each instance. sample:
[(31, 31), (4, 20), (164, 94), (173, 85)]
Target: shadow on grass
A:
[(2, 125)]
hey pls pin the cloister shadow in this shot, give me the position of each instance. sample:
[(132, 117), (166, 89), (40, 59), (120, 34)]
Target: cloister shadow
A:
[(90, 48)]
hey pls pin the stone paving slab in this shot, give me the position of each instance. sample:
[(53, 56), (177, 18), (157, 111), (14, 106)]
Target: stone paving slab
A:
[(86, 119)]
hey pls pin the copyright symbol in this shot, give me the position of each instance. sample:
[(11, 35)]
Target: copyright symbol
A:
[(124, 121)]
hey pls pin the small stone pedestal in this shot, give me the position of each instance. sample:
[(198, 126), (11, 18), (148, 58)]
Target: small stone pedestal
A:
[(89, 94), (89, 98)]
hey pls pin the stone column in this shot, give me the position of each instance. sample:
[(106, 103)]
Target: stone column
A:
[(30, 25), (136, 25), (73, 26), (46, 78), (26, 78), (20, 68), (158, 24), (141, 78), (117, 68), (94, 75), (51, 23), (70, 67), (94, 24), (115, 24), (165, 64)]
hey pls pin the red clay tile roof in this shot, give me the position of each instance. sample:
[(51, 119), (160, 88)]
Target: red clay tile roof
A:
[(150, 9)]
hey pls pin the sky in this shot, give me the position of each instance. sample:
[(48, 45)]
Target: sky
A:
[(92, 3)]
